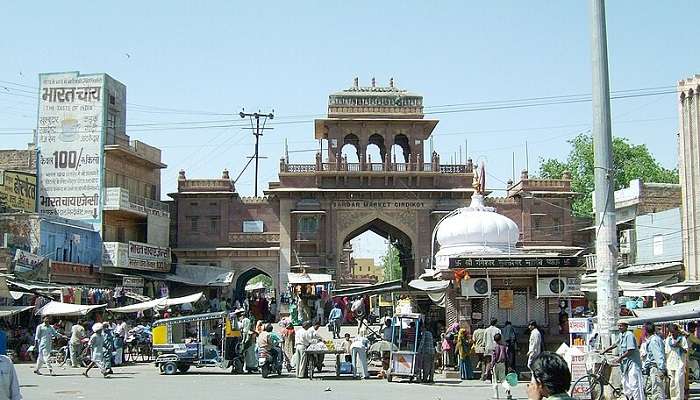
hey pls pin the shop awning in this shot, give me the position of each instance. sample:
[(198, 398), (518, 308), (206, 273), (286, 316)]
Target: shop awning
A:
[(295, 278), (255, 286), (665, 267), (193, 298), (676, 312), (66, 309), (429, 286), (134, 308), (632, 282), (436, 290), (378, 288), (8, 311)]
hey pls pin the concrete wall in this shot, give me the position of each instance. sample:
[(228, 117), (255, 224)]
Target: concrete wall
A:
[(62, 242), (18, 160), (658, 238), (158, 230)]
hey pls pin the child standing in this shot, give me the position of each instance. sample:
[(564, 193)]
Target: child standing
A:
[(499, 365)]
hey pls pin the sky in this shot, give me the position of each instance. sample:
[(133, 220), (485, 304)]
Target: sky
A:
[(190, 67)]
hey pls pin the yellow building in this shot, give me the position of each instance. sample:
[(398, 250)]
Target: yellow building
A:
[(366, 268)]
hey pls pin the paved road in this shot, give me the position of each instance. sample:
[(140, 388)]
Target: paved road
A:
[(144, 382)]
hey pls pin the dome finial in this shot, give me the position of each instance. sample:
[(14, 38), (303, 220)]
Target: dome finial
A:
[(479, 180)]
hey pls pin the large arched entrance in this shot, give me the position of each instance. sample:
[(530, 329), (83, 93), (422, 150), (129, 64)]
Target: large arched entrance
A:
[(398, 240), (245, 278)]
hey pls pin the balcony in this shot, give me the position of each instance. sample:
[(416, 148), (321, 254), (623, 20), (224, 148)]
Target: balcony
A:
[(119, 199), (374, 167)]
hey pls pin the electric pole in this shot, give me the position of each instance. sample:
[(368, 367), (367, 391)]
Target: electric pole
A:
[(257, 131), (606, 235)]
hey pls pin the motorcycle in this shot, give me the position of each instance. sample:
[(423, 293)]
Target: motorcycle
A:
[(270, 361)]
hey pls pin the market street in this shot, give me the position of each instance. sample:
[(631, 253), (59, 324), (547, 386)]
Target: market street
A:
[(143, 381)]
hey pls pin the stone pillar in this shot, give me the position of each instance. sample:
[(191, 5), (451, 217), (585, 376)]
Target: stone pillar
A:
[(451, 306), (689, 172)]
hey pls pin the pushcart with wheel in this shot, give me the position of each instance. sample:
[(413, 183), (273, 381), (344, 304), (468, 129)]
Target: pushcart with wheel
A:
[(315, 360), (403, 361)]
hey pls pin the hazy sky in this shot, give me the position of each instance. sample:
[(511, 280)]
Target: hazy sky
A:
[(186, 62)]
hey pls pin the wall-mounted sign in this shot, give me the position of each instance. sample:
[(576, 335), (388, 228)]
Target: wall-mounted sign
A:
[(148, 257), (505, 299), (513, 262), (380, 204), (18, 190), (132, 282)]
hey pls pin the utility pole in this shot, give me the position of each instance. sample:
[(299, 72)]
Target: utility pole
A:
[(606, 237), (257, 131)]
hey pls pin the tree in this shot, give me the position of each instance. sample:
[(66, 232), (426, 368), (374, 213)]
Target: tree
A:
[(630, 161), (391, 263)]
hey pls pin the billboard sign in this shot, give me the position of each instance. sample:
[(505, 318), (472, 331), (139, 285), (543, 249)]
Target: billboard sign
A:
[(18, 190), (70, 139)]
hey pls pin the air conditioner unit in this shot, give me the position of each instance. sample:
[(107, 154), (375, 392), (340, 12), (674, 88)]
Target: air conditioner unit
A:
[(476, 287), (552, 287)]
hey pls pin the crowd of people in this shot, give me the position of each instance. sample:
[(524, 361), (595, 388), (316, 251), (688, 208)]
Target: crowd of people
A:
[(657, 368)]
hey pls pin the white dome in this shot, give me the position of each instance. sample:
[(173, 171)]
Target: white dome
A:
[(475, 230)]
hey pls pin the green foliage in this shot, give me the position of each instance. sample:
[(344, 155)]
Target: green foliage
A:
[(266, 280), (630, 162), (392, 264)]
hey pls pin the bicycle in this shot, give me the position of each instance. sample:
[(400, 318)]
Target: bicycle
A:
[(592, 385)]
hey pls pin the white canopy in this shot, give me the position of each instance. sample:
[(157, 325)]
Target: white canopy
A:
[(8, 311), (298, 278), (193, 298), (65, 309), (134, 308), (255, 286)]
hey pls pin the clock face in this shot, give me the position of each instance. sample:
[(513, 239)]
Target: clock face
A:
[(481, 286), (557, 285)]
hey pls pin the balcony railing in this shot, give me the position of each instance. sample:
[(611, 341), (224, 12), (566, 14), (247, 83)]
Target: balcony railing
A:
[(117, 198)]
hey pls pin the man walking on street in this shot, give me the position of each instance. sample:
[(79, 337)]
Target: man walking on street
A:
[(334, 320), (654, 364), (96, 345), (426, 349), (630, 363), (676, 362), (534, 344), (76, 345), (490, 344), (43, 340)]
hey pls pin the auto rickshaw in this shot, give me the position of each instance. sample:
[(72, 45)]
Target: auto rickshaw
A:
[(403, 361), (202, 340)]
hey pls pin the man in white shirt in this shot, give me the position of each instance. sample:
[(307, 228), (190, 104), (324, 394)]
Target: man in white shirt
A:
[(676, 362), (301, 343), (535, 344), (490, 343), (358, 348), (76, 347), (120, 331)]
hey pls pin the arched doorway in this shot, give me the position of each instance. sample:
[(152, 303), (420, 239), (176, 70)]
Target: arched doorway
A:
[(245, 278), (399, 242)]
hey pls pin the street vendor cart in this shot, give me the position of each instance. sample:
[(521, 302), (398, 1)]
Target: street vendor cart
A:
[(315, 359), (403, 361)]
